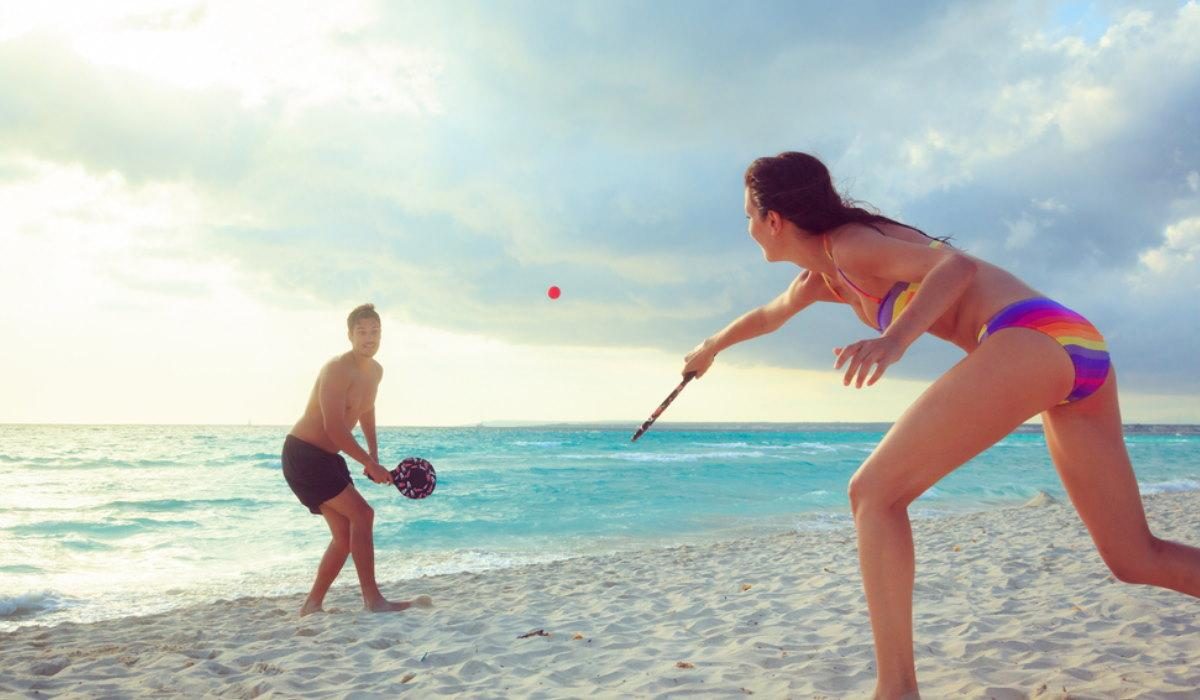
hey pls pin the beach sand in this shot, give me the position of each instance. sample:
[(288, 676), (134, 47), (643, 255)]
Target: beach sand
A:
[(1009, 603)]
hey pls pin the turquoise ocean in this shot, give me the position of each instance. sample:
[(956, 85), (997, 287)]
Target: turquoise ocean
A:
[(101, 522)]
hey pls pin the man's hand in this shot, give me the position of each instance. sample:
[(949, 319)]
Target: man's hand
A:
[(375, 472)]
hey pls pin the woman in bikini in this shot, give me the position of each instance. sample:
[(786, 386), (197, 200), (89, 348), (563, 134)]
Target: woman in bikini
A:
[(1026, 355)]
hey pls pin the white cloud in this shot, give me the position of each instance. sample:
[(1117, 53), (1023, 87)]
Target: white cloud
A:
[(1020, 232), (1178, 258), (303, 54), (1089, 114), (1131, 27), (1051, 204), (454, 159), (76, 239), (1087, 94)]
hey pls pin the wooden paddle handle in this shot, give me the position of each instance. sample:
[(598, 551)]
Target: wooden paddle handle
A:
[(663, 406)]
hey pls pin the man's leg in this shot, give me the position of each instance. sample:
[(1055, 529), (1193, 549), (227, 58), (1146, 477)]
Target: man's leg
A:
[(350, 505), (333, 561)]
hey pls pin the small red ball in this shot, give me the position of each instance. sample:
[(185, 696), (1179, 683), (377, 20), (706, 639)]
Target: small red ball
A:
[(553, 292)]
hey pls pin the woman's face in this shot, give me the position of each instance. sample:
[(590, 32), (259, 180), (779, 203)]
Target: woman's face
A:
[(758, 227)]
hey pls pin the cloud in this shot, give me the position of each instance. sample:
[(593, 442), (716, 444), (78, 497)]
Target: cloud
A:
[(1177, 257), (1021, 232), (451, 161), (78, 241), (71, 111), (301, 54), (1051, 204)]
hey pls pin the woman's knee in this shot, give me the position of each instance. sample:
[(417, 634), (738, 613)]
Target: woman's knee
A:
[(868, 493), (1133, 562)]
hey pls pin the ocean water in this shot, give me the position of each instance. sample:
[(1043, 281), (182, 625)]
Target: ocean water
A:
[(98, 522)]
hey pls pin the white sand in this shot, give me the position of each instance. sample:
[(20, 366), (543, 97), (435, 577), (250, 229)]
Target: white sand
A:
[(1011, 603)]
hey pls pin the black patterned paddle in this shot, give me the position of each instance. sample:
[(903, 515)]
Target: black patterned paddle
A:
[(663, 406)]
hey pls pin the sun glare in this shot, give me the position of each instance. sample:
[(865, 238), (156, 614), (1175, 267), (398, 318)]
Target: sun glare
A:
[(300, 54)]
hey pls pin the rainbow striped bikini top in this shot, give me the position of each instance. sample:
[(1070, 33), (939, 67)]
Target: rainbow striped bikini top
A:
[(892, 304)]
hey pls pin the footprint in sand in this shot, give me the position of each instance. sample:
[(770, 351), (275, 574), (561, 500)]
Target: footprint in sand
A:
[(381, 643), (219, 668), (255, 690), (48, 667)]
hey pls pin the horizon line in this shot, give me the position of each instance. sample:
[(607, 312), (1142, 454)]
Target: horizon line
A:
[(503, 424)]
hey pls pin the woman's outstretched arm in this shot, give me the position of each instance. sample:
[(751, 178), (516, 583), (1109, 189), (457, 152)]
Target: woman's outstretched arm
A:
[(803, 291)]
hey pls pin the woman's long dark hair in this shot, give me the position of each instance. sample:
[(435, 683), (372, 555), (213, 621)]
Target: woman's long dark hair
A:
[(799, 188)]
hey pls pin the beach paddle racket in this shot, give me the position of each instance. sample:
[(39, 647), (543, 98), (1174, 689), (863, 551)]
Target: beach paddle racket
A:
[(414, 477), (663, 406)]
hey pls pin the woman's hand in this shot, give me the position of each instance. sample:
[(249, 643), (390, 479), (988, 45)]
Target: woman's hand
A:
[(699, 359), (880, 353)]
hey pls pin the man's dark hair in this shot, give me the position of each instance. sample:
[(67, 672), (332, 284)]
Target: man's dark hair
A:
[(359, 313)]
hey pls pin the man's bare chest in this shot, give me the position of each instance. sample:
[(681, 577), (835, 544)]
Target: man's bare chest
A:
[(360, 396)]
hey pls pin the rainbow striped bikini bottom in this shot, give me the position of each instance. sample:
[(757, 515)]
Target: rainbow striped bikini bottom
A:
[(1083, 343)]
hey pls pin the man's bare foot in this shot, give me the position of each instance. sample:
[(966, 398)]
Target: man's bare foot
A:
[(382, 605), (310, 607)]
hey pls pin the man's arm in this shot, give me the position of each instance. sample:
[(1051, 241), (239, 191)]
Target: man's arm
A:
[(332, 394), (367, 421)]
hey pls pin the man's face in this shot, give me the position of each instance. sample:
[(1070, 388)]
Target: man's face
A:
[(364, 337)]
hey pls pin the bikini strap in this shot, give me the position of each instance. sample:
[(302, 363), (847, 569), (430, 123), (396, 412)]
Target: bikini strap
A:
[(829, 285), (845, 278)]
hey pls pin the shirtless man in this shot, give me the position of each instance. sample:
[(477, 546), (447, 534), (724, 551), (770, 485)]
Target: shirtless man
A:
[(344, 396)]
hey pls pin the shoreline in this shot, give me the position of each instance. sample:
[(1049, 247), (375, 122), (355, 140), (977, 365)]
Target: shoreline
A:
[(625, 425), (818, 522), (1012, 602)]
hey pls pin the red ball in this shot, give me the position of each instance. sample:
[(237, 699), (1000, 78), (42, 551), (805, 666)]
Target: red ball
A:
[(553, 292)]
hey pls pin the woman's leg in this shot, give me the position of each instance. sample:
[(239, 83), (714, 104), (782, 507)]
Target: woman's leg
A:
[(1088, 450), (1008, 379)]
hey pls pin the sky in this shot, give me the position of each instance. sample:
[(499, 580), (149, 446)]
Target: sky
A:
[(195, 193)]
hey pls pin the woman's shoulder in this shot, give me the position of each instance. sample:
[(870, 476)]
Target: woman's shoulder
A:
[(874, 234), (894, 252), (851, 235)]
